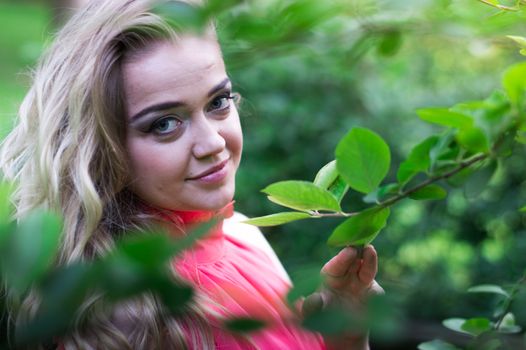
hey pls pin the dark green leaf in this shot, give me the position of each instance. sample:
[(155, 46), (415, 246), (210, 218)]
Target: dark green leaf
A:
[(277, 219), (360, 229), (430, 192), (301, 195), (382, 192), (338, 189), (479, 180), (363, 159), (243, 325), (445, 117), (150, 250)]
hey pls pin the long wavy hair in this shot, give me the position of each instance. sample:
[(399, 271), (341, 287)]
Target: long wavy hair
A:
[(66, 154)]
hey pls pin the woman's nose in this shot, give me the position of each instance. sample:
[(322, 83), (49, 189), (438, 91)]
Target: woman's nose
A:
[(207, 139)]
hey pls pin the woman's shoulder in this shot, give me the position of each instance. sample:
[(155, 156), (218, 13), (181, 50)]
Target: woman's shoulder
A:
[(252, 236)]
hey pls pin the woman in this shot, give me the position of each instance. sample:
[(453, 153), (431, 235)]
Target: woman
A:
[(129, 123)]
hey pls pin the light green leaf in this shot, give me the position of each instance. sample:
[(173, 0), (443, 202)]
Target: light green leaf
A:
[(360, 229), (514, 82), (476, 326), (327, 175), (301, 195), (363, 159), (436, 345), (445, 117), (523, 209), (473, 139), (277, 219), (329, 179), (418, 160), (488, 288), (508, 324), (430, 192)]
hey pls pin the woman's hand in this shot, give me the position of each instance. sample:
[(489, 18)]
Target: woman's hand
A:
[(349, 280)]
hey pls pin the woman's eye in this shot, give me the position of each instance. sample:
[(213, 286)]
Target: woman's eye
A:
[(220, 103), (165, 125)]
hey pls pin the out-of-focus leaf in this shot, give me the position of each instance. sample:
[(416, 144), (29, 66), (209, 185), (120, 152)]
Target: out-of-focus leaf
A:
[(243, 325), (437, 345), (363, 159), (31, 249), (301, 195), (488, 288), (514, 82), (442, 149), (473, 139), (277, 219), (151, 250), (445, 117), (418, 160), (476, 326), (430, 192), (331, 321), (6, 208), (390, 43), (360, 229), (305, 281), (182, 16)]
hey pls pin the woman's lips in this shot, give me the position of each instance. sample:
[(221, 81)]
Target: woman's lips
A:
[(214, 174)]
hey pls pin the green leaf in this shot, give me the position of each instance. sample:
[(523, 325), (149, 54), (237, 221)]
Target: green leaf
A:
[(430, 192), (243, 325), (520, 40), (479, 180), (489, 288), (514, 82), (151, 250), (363, 159), (6, 208), (418, 160), (182, 16), (442, 149), (277, 219), (360, 229), (445, 117), (30, 251), (437, 345), (473, 139), (301, 195), (338, 189), (476, 326)]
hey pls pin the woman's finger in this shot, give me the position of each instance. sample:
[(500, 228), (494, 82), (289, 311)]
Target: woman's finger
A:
[(339, 265), (369, 267)]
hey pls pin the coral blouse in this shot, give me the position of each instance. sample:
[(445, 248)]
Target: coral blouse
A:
[(242, 280)]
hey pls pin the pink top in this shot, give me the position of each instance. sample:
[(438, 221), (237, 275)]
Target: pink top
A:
[(245, 282)]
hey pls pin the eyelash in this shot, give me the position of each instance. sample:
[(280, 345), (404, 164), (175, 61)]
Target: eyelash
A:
[(228, 96)]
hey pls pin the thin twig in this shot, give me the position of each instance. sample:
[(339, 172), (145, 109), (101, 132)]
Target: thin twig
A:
[(509, 300)]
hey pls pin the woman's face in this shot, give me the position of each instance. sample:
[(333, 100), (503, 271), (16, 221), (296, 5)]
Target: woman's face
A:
[(183, 135)]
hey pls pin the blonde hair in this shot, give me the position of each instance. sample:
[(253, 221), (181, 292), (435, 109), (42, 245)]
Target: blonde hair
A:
[(66, 154)]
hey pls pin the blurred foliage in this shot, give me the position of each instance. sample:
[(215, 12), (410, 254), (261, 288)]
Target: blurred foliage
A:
[(367, 63)]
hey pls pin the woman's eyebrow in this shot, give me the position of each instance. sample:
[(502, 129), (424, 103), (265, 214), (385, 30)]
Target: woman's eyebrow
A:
[(174, 104)]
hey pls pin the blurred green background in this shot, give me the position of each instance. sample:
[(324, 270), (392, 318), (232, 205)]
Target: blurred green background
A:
[(371, 66)]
